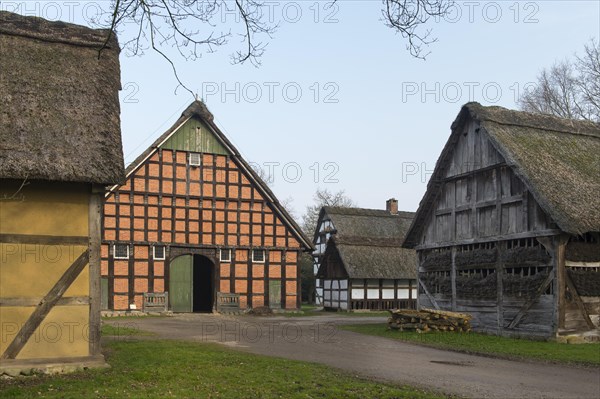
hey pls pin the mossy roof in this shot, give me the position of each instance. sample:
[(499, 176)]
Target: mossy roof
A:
[(59, 107), (557, 159)]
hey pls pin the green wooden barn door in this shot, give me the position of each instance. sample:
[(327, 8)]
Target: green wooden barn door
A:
[(275, 294), (180, 284)]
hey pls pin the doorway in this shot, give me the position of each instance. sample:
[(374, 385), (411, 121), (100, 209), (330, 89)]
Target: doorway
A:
[(203, 284), (191, 284)]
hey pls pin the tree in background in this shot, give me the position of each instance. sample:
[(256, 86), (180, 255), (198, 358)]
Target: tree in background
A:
[(321, 198), (569, 89)]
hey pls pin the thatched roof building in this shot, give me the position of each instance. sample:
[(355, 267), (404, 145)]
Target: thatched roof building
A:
[(60, 146), (556, 158), (59, 109), (508, 229), (359, 260), (369, 242)]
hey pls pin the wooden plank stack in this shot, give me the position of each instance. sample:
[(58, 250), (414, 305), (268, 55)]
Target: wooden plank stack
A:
[(426, 320)]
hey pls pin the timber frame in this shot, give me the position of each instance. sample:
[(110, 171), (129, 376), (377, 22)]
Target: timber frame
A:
[(58, 154), (218, 203), (359, 261), (493, 237)]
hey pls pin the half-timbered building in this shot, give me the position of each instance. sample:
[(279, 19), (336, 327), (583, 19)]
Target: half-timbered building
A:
[(60, 146), (359, 261), (508, 227), (195, 221)]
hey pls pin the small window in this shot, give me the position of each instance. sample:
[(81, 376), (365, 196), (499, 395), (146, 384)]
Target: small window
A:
[(258, 255), (225, 255), (158, 252), (121, 251), (195, 159)]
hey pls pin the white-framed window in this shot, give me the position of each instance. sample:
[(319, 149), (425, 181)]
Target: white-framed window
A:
[(225, 255), (121, 251), (258, 255), (195, 159), (158, 252)]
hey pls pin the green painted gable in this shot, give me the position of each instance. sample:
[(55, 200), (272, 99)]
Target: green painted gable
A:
[(195, 136)]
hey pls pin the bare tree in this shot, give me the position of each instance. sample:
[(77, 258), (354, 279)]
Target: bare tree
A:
[(323, 197), (194, 27), (408, 17), (569, 89), (588, 68)]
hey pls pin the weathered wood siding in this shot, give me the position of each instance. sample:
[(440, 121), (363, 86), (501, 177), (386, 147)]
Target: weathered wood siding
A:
[(481, 199), (583, 271), (167, 202), (479, 252)]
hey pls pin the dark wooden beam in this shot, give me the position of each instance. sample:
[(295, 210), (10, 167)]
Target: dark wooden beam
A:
[(453, 279), (502, 237), (35, 301), (43, 239), (470, 173), (95, 232), (45, 306)]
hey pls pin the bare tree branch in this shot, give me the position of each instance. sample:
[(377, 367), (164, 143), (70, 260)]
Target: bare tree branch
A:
[(408, 16), (323, 197), (191, 27)]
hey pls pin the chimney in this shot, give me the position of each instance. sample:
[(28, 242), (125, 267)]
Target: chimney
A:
[(391, 206)]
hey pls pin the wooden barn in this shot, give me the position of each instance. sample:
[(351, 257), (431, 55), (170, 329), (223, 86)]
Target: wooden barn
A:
[(60, 145), (195, 221), (359, 260), (508, 227)]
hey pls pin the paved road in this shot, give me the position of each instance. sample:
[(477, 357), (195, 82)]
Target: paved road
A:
[(317, 339)]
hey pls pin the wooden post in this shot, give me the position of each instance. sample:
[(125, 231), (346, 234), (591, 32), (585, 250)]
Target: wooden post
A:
[(561, 245), (94, 226), (453, 278), (500, 248)]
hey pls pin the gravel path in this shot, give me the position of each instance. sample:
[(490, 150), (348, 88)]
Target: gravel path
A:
[(318, 339)]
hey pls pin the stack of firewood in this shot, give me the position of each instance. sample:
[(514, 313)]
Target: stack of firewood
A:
[(426, 320)]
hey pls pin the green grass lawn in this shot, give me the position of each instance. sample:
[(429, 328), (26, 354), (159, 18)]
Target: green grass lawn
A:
[(311, 310), (164, 369), (586, 354), (122, 329)]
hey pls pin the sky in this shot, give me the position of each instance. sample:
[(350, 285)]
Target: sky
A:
[(338, 102)]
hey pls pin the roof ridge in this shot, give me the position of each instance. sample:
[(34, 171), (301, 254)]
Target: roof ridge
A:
[(37, 28), (489, 119)]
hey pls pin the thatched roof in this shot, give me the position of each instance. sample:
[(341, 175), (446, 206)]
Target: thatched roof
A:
[(556, 158), (198, 109), (369, 243), (59, 108)]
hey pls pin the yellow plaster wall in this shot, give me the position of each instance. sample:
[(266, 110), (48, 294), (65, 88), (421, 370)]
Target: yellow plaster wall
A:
[(31, 270), (27, 270), (45, 208), (63, 333)]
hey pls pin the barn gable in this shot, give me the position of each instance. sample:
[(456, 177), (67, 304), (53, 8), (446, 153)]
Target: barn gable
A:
[(194, 199), (195, 131), (512, 199), (555, 161)]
